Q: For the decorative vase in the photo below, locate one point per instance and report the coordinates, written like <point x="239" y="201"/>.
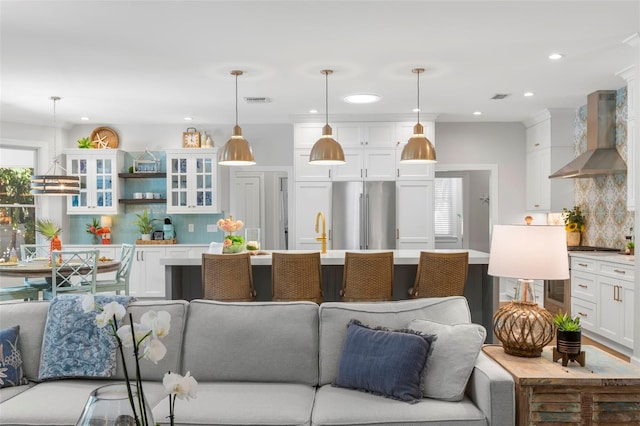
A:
<point x="95" y="239"/>
<point x="252" y="239"/>
<point x="237" y="244"/>
<point x="145" y="237"/>
<point x="568" y="342"/>
<point x="573" y="238"/>
<point x="109" y="405"/>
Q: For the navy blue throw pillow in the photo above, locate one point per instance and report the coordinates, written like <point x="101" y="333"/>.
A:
<point x="384" y="362"/>
<point x="10" y="359"/>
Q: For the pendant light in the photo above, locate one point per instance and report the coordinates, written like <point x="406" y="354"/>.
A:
<point x="237" y="151"/>
<point x="419" y="150"/>
<point x="326" y="151"/>
<point x="50" y="183"/>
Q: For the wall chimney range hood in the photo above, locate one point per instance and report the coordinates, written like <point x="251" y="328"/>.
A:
<point x="601" y="157"/>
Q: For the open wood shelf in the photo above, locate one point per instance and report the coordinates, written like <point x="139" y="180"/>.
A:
<point x="142" y="175"/>
<point x="142" y="200"/>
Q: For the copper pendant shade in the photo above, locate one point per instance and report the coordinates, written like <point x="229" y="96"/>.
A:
<point x="326" y="151"/>
<point x="419" y="150"/>
<point x="237" y="151"/>
<point x="51" y="183"/>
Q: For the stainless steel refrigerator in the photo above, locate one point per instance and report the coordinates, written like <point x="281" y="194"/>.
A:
<point x="363" y="215"/>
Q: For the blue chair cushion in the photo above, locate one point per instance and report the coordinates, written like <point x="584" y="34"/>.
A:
<point x="11" y="373"/>
<point x="384" y="362"/>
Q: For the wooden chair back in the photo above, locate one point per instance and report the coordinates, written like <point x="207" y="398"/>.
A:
<point x="296" y="276"/>
<point x="440" y="275"/>
<point x="227" y="277"/>
<point x="367" y="277"/>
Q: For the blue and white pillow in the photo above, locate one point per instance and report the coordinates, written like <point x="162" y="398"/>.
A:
<point x="11" y="373"/>
<point x="73" y="345"/>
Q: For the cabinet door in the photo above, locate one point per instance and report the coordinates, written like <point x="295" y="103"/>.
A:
<point x="192" y="182"/>
<point x="609" y="308"/>
<point x="311" y="198"/>
<point x="353" y="168"/>
<point x="147" y="275"/>
<point x="349" y="134"/>
<point x="404" y="131"/>
<point x="534" y="181"/>
<point x="627" y="318"/>
<point x="178" y="184"/>
<point x="414" y="215"/>
<point x="309" y="172"/>
<point x="379" y="163"/>
<point x="305" y="135"/>
<point x="98" y="174"/>
<point x="380" y="135"/>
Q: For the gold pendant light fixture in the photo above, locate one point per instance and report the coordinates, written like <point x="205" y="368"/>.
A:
<point x="51" y="183"/>
<point x="237" y="151"/>
<point x="326" y="151"/>
<point x="419" y="150"/>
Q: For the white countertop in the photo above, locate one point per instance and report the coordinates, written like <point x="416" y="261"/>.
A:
<point x="608" y="256"/>
<point x="336" y="257"/>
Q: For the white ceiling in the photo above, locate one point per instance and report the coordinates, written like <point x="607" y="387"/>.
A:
<point x="149" y="62"/>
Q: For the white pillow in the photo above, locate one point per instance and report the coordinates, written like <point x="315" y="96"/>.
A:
<point x="452" y="359"/>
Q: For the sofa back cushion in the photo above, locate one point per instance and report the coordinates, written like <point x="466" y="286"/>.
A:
<point x="335" y="316"/>
<point x="31" y="317"/>
<point x="173" y="341"/>
<point x="252" y="341"/>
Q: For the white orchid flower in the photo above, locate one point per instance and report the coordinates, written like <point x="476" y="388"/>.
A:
<point x="158" y="322"/>
<point x="125" y="336"/>
<point x="154" y="350"/>
<point x="183" y="387"/>
<point x="110" y="310"/>
<point x="88" y="303"/>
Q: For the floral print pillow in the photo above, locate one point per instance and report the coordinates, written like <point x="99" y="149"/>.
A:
<point x="11" y="373"/>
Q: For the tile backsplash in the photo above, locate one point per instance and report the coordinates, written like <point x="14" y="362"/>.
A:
<point x="604" y="198"/>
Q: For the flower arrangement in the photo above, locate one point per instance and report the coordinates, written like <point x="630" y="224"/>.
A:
<point x="144" y="338"/>
<point x="94" y="227"/>
<point x="574" y="220"/>
<point x="231" y="243"/>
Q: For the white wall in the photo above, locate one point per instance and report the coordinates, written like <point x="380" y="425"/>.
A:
<point x="489" y="143"/>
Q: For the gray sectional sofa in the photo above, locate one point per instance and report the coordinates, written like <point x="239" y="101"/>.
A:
<point x="261" y="363"/>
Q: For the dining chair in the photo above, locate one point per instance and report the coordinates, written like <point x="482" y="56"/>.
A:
<point x="30" y="253"/>
<point x="121" y="281"/>
<point x="72" y="271"/>
<point x="367" y="277"/>
<point x="296" y="276"/>
<point x="227" y="277"/>
<point x="440" y="275"/>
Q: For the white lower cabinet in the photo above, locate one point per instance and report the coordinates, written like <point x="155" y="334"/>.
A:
<point x="147" y="274"/>
<point x="311" y="198"/>
<point x="602" y="296"/>
<point x="414" y="215"/>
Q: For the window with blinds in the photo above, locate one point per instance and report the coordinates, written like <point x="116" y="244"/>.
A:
<point x="448" y="197"/>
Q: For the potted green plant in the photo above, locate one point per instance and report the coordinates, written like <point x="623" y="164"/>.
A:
<point x="144" y="224"/>
<point x="569" y="334"/>
<point x="575" y="225"/>
<point x="85" y="143"/>
<point x="631" y="248"/>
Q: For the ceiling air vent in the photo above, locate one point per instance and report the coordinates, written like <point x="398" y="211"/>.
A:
<point x="257" y="100"/>
<point x="499" y="96"/>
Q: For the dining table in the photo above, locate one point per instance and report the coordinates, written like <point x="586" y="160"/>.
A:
<point x="42" y="268"/>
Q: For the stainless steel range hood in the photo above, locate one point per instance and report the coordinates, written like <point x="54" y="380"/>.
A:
<point x="601" y="157"/>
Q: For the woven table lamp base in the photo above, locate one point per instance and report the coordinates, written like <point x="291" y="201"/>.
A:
<point x="524" y="328"/>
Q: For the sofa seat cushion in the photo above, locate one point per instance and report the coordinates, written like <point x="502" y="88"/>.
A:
<point x="242" y="403"/>
<point x="338" y="406"/>
<point x="10" y="392"/>
<point x="63" y="399"/>
<point x="334" y="317"/>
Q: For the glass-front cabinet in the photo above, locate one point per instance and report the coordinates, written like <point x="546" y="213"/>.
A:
<point x="192" y="181"/>
<point x="99" y="183"/>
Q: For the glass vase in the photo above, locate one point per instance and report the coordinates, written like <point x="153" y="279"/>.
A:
<point x="109" y="405"/>
<point x="252" y="239"/>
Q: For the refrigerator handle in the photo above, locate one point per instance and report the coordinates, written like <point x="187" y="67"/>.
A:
<point x="366" y="224"/>
<point x="362" y="228"/>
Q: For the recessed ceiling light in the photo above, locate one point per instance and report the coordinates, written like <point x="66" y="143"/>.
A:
<point x="477" y="113"/>
<point x="556" y="56"/>
<point x="528" y="94"/>
<point x="313" y="111"/>
<point x="188" y="119"/>
<point x="362" y="98"/>
<point x="416" y="110"/>
<point x="84" y="118"/>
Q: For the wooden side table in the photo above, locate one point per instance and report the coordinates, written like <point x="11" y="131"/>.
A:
<point x="605" y="391"/>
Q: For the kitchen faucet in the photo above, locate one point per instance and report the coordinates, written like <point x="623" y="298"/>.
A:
<point x="323" y="237"/>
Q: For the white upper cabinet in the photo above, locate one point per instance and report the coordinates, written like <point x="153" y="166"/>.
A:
<point x="306" y="134"/>
<point x="549" y="146"/>
<point x="309" y="172"/>
<point x="192" y="181"/>
<point x="100" y="186"/>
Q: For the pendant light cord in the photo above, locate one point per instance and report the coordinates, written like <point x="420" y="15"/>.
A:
<point x="418" y="91"/>
<point x="236" y="99"/>
<point x="326" y="98"/>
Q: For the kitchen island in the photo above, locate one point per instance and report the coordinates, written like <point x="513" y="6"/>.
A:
<point x="183" y="279"/>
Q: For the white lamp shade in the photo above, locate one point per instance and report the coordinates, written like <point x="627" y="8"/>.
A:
<point x="529" y="252"/>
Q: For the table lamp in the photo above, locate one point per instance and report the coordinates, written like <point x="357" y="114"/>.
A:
<point x="527" y="253"/>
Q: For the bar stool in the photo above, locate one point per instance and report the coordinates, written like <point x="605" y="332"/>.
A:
<point x="227" y="277"/>
<point x="367" y="277"/>
<point x="440" y="275"/>
<point x="296" y="276"/>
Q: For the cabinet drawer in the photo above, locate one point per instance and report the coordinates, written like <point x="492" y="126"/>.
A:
<point x="586" y="311"/>
<point x="616" y="270"/>
<point x="582" y="264"/>
<point x="583" y="286"/>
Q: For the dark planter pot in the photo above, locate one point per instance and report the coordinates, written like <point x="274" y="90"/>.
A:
<point x="568" y="342"/>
